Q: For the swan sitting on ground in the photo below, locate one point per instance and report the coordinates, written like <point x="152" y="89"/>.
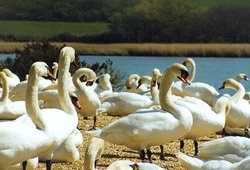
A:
<point x="231" y="148"/>
<point x="150" y="127"/>
<point x="12" y="78"/>
<point x="131" y="85"/>
<point x="8" y="109"/>
<point x="125" y="103"/>
<point x="191" y="163"/>
<point x="199" y="90"/>
<point x="88" y="98"/>
<point x="93" y="153"/>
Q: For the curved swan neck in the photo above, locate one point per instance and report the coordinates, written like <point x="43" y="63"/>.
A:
<point x="165" y="93"/>
<point x="240" y="92"/>
<point x="5" y="94"/>
<point x="193" y="70"/>
<point x="32" y="105"/>
<point x="63" y="87"/>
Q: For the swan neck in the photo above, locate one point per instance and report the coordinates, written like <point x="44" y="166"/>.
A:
<point x="192" y="71"/>
<point x="5" y="93"/>
<point x="55" y="71"/>
<point x="63" y="86"/>
<point x="240" y="92"/>
<point x="154" y="92"/>
<point x="32" y="105"/>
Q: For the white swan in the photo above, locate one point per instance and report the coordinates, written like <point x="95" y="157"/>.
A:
<point x="105" y="87"/>
<point x="12" y="78"/>
<point x="231" y="148"/>
<point x="205" y="120"/>
<point x="199" y="90"/>
<point x="16" y="142"/>
<point x="9" y="109"/>
<point x="149" y="127"/>
<point x="88" y="99"/>
<point x="240" y="77"/>
<point x="132" y="84"/>
<point x="191" y="163"/>
<point x="239" y="113"/>
<point x="125" y="103"/>
<point x="93" y="153"/>
<point x="129" y="165"/>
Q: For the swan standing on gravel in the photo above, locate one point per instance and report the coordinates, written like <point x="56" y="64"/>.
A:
<point x="199" y="90"/>
<point x="149" y="127"/>
<point x="88" y="98"/>
<point x="93" y="153"/>
<point x="8" y="109"/>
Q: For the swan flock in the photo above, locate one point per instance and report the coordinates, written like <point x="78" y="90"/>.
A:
<point x="45" y="119"/>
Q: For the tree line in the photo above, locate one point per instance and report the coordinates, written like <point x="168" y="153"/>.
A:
<point x="141" y="20"/>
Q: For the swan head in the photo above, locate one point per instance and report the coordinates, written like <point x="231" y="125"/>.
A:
<point x="55" y="65"/>
<point x="180" y="71"/>
<point x="41" y="69"/>
<point x="75" y="100"/>
<point x="88" y="75"/>
<point x="69" y="53"/>
<point x="230" y="83"/>
<point x="188" y="61"/>
<point x="7" y="72"/>
<point x="132" y="77"/>
<point x="144" y="80"/>
<point x="242" y="76"/>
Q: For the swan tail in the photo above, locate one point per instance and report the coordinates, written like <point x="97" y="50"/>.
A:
<point x="189" y="162"/>
<point x="96" y="133"/>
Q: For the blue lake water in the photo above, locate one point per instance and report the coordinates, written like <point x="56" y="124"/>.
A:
<point x="210" y="70"/>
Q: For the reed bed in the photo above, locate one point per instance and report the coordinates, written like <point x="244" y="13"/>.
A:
<point x="147" y="49"/>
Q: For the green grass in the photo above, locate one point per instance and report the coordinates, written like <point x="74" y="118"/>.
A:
<point x="211" y="3"/>
<point x="49" y="29"/>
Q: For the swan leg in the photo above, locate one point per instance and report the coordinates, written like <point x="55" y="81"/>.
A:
<point x="48" y="164"/>
<point x="142" y="155"/>
<point x="246" y="131"/>
<point x="24" y="165"/>
<point x="195" y="147"/>
<point x="93" y="128"/>
<point x="182" y="146"/>
<point x="149" y="154"/>
<point x="162" y="156"/>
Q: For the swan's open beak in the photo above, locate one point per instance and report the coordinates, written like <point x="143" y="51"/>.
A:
<point x="184" y="77"/>
<point x="89" y="83"/>
<point x="50" y="75"/>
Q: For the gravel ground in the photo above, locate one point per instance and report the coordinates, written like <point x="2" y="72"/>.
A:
<point x="114" y="152"/>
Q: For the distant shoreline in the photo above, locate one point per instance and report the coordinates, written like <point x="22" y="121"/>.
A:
<point x="146" y="49"/>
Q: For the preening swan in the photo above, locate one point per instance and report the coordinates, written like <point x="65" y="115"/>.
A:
<point x="20" y="142"/>
<point x="104" y="87"/>
<point x="88" y="98"/>
<point x="8" y="109"/>
<point x="125" y="103"/>
<point x="12" y="78"/>
<point x="231" y="148"/>
<point x="93" y="153"/>
<point x="149" y="127"/>
<point x="199" y="90"/>
<point x="131" y="85"/>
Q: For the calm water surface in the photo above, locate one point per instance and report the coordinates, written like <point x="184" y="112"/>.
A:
<point x="210" y="70"/>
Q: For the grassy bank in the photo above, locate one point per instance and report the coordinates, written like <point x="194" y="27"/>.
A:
<point x="35" y="29"/>
<point x="148" y="49"/>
